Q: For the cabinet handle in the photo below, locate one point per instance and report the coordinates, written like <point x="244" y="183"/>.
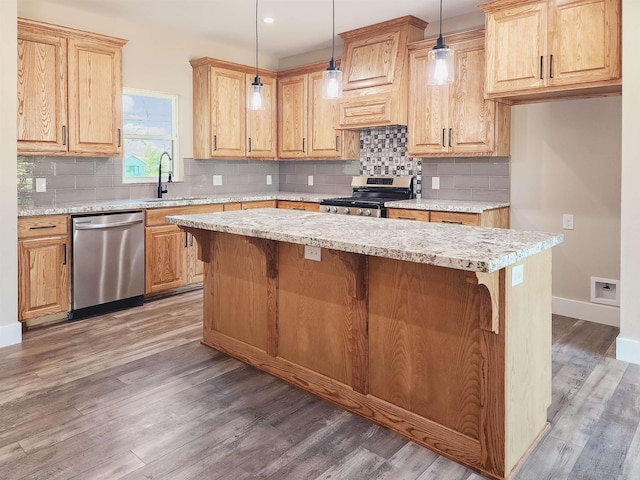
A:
<point x="215" y="143"/>
<point x="186" y="241"/>
<point x="64" y="134"/>
<point x="40" y="227"/>
<point x="249" y="144"/>
<point x="64" y="253"/>
<point x="303" y="149"/>
<point x="406" y="218"/>
<point x="453" y="222"/>
<point x="551" y="66"/>
<point x="297" y="208"/>
<point x="119" y="138"/>
<point x="450" y="131"/>
<point x="443" y="144"/>
<point x="191" y="243"/>
<point x="337" y="144"/>
<point x="541" y="59"/>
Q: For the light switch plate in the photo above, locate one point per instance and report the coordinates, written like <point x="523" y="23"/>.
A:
<point x="517" y="275"/>
<point x="217" y="180"/>
<point x="41" y="185"/>
<point x="435" y="183"/>
<point x="313" y="253"/>
<point x="567" y="221"/>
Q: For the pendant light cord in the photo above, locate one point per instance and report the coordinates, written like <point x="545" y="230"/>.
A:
<point x="440" y="17"/>
<point x="333" y="28"/>
<point x="257" y="72"/>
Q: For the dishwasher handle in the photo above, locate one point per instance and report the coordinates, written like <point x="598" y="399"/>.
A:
<point x="96" y="226"/>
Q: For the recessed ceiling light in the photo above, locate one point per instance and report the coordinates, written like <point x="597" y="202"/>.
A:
<point x="268" y="20"/>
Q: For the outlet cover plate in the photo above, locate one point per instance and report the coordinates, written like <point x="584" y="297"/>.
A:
<point x="310" y="180"/>
<point x="517" y="275"/>
<point x="313" y="253"/>
<point x="269" y="179"/>
<point x="435" y="183"/>
<point x="217" y="180"/>
<point x="567" y="221"/>
<point x="41" y="185"/>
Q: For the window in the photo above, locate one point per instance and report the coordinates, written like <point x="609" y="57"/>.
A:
<point x="150" y="128"/>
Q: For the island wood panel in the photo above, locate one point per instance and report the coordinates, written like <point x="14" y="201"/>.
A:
<point x="424" y="341"/>
<point x="497" y="218"/>
<point x="315" y="312"/>
<point x="240" y="290"/>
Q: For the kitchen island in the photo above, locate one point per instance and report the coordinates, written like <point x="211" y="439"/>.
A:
<point x="441" y="333"/>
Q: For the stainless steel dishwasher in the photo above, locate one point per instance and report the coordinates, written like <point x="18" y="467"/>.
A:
<point x="108" y="263"/>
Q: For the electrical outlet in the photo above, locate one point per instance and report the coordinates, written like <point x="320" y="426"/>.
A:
<point x="313" y="253"/>
<point x="567" y="221"/>
<point x="435" y="183"/>
<point x="269" y="179"/>
<point x="41" y="185"/>
<point x="517" y="275"/>
<point x="217" y="180"/>
<point x="310" y="180"/>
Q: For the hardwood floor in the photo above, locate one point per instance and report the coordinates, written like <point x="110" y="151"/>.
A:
<point x="134" y="395"/>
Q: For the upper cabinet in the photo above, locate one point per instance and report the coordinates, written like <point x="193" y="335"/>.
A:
<point x="455" y="120"/>
<point x="307" y="123"/>
<point x="375" y="68"/>
<point x="69" y="91"/>
<point x="539" y="49"/>
<point x="223" y="127"/>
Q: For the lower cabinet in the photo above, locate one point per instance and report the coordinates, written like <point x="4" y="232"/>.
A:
<point x="304" y="206"/>
<point x="43" y="266"/>
<point x="497" y="217"/>
<point x="228" y="207"/>
<point x="408" y="214"/>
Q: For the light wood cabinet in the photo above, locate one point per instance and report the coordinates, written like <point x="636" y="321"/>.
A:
<point x="69" y="91"/>
<point x="171" y="255"/>
<point x="43" y="266"/>
<point x="307" y="123"/>
<point x="223" y="127"/>
<point x="303" y="206"/>
<point x="540" y="49"/>
<point x="497" y="217"/>
<point x="375" y="67"/>
<point x="454" y="120"/>
<point x="228" y="207"/>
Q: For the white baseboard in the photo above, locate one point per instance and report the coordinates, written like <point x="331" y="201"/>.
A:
<point x="591" y="312"/>
<point x="628" y="350"/>
<point x="10" y="334"/>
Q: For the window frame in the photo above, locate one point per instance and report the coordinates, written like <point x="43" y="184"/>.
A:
<point x="177" y="162"/>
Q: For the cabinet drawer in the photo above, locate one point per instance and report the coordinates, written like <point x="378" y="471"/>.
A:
<point x="367" y="111"/>
<point x="306" y="206"/>
<point x="156" y="216"/>
<point x="259" y="204"/>
<point x="30" y="227"/>
<point x="408" y="214"/>
<point x="455" y="217"/>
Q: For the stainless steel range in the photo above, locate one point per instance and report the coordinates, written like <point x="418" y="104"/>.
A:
<point x="369" y="196"/>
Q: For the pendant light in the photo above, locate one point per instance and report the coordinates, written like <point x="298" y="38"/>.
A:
<point x="255" y="92"/>
<point x="332" y="76"/>
<point x="440" y="61"/>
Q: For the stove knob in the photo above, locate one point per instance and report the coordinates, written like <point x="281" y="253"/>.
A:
<point x="367" y="212"/>
<point x="327" y="209"/>
<point x="359" y="212"/>
<point x="346" y="211"/>
<point x="334" y="209"/>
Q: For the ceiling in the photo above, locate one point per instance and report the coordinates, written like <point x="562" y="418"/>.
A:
<point x="300" y="25"/>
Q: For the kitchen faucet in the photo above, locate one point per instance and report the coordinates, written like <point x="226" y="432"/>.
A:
<point x="160" y="189"/>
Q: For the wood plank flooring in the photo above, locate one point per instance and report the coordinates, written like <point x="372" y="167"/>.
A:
<point x="134" y="395"/>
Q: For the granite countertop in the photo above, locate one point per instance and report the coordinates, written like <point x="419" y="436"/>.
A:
<point x="459" y="206"/>
<point x="115" y="205"/>
<point x="476" y="249"/>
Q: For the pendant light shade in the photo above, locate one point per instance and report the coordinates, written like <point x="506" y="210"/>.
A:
<point x="440" y="61"/>
<point x="255" y="92"/>
<point x="332" y="76"/>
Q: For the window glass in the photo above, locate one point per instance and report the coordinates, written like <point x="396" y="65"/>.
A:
<point x="149" y="129"/>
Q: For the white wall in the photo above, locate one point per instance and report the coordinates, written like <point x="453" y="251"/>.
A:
<point x="10" y="329"/>
<point x="565" y="158"/>
<point x="153" y="59"/>
<point x="628" y="344"/>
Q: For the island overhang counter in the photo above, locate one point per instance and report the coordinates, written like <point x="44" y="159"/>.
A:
<point x="441" y="333"/>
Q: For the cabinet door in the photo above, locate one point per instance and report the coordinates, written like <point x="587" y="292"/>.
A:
<point x="324" y="115"/>
<point x="584" y="41"/>
<point x="428" y="131"/>
<point x="292" y="117"/>
<point x="516" y="43"/>
<point x="95" y="98"/>
<point x="471" y="116"/>
<point x="165" y="258"/>
<point x="195" y="266"/>
<point x="228" y="107"/>
<point x="42" y="93"/>
<point x="43" y="277"/>
<point x="261" y="124"/>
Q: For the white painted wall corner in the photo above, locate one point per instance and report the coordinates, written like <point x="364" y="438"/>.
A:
<point x="10" y="334"/>
<point x="628" y="350"/>
<point x="591" y="312"/>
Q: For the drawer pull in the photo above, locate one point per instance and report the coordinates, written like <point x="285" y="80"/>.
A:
<point x="297" y="208"/>
<point x="186" y="240"/>
<point x="64" y="252"/>
<point x="453" y="222"/>
<point x="337" y="144"/>
<point x="64" y="134"/>
<point x="406" y="218"/>
<point x="41" y="227"/>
